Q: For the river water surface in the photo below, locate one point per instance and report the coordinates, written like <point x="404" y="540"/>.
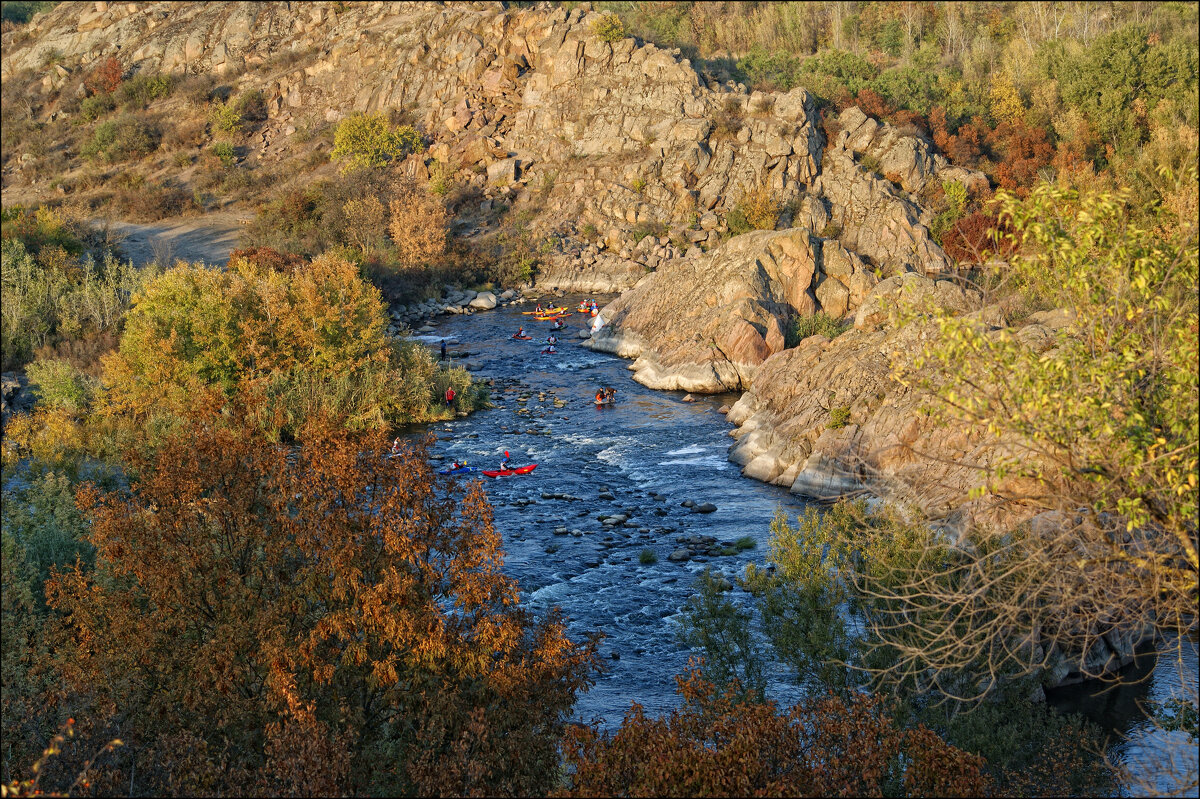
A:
<point x="644" y="457"/>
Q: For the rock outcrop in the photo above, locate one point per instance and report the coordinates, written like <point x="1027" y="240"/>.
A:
<point x="707" y="324"/>
<point x="827" y="420"/>
<point x="529" y="107"/>
<point x="908" y="157"/>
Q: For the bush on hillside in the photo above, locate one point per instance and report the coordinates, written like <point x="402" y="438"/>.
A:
<point x="126" y="139"/>
<point x="369" y="140"/>
<point x="609" y="28"/>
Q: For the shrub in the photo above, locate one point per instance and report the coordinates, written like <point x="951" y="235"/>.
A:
<point x="48" y="301"/>
<point x="199" y="89"/>
<point x="638" y="185"/>
<point x="818" y="324"/>
<point x="369" y="140"/>
<point x="123" y="139"/>
<point x="153" y="201"/>
<point x="106" y="78"/>
<point x="759" y="208"/>
<point x="722" y="738"/>
<point x="647" y="557"/>
<point x="838" y="417"/>
<point x="736" y="221"/>
<point x="644" y="229"/>
<point x="744" y="543"/>
<point x="185" y="134"/>
<point x="58" y="384"/>
<point x="419" y="227"/>
<point x="729" y="120"/>
<point x="870" y="163"/>
<point x="96" y="106"/>
<point x="251" y="105"/>
<point x="609" y="28"/>
<point x="313" y="339"/>
<point x="223" y="152"/>
<point x="142" y="90"/>
<point x="440" y="181"/>
<point x="225" y="118"/>
<point x="45" y="524"/>
<point x="326" y="514"/>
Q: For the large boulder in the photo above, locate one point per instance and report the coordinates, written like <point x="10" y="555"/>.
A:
<point x="484" y="301"/>
<point x="706" y="324"/>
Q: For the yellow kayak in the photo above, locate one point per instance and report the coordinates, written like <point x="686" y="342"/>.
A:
<point x="546" y="312"/>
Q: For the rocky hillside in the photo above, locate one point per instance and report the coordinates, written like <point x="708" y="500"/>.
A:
<point x="617" y="139"/>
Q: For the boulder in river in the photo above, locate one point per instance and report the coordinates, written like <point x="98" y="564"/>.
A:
<point x="485" y="301"/>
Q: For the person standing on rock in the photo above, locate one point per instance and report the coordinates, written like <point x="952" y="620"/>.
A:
<point x="443" y="349"/>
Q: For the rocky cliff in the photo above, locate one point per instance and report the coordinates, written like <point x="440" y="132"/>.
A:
<point x="827" y="420"/>
<point x="528" y="105"/>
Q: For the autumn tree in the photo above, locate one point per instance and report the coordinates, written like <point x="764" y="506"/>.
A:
<point x="419" y="226"/>
<point x="313" y="336"/>
<point x="322" y="620"/>
<point x="720" y="743"/>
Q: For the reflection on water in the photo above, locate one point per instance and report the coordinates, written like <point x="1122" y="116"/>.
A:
<point x="644" y="457"/>
<point x="1156" y="760"/>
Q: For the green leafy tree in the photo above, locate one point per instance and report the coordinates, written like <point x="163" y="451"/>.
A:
<point x="714" y="625"/>
<point x="369" y="140"/>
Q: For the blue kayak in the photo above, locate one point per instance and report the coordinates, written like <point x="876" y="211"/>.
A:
<point x="460" y="470"/>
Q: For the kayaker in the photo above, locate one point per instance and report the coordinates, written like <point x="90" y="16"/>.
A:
<point x="450" y="394"/>
<point x="538" y="309"/>
<point x="552" y="340"/>
<point x="611" y="394"/>
<point x="557" y="325"/>
<point x="599" y="396"/>
<point x="550" y="350"/>
<point x="520" y="332"/>
<point x="504" y="463"/>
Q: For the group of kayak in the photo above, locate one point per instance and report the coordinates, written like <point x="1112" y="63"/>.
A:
<point x="554" y="315"/>
<point x="551" y="340"/>
<point x="461" y="467"/>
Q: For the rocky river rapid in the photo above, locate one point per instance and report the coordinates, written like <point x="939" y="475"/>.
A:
<point x="612" y="482"/>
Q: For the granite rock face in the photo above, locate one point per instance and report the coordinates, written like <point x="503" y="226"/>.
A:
<point x="707" y="324"/>
<point x="526" y="105"/>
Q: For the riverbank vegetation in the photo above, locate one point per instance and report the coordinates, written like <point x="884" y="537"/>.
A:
<point x="1074" y="546"/>
<point x="207" y="557"/>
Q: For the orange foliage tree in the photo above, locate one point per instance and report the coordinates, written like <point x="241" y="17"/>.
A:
<point x="1021" y="151"/>
<point x="722" y="744"/>
<point x="106" y="77"/>
<point x="262" y="619"/>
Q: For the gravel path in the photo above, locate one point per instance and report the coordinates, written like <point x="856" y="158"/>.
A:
<point x="208" y="238"/>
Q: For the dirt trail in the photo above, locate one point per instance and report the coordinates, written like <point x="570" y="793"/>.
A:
<point x="208" y="238"/>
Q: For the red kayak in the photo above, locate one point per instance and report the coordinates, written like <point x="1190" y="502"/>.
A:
<point x="523" y="338"/>
<point x="510" y="472"/>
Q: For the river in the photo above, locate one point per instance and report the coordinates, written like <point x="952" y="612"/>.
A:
<point x="645" y="457"/>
